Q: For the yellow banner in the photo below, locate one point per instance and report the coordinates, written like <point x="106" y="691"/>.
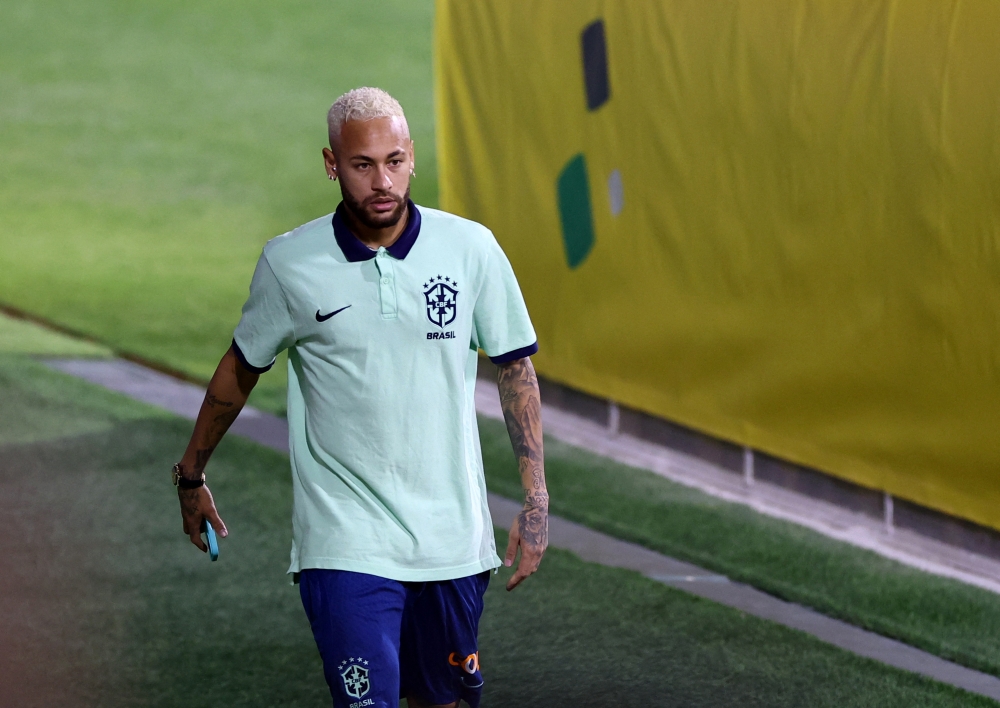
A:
<point x="775" y="222"/>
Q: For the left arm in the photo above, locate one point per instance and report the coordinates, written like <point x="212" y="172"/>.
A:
<point x="522" y="411"/>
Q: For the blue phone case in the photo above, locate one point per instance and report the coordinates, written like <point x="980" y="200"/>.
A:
<point x="213" y="542"/>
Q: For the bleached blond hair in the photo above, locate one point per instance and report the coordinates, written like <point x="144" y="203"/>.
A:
<point x="363" y="103"/>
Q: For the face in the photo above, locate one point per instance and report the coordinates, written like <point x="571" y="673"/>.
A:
<point x="372" y="159"/>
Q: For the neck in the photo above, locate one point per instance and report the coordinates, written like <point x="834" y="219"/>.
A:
<point x="374" y="238"/>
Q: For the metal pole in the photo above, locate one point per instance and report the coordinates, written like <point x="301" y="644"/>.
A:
<point x="748" y="466"/>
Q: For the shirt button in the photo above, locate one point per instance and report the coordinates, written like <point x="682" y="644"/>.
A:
<point x="385" y="281"/>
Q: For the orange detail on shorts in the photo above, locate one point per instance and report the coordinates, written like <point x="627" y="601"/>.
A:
<point x="469" y="664"/>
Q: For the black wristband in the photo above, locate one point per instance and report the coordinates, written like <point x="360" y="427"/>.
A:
<point x="185" y="483"/>
<point x="182" y="482"/>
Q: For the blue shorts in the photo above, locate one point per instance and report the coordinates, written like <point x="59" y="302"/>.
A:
<point x="382" y="640"/>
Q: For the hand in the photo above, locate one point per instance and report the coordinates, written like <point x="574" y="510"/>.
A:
<point x="197" y="504"/>
<point x="530" y="532"/>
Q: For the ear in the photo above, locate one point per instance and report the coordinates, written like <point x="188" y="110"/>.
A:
<point x="330" y="162"/>
<point x="413" y="161"/>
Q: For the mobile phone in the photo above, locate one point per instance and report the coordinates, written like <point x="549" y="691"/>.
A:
<point x="211" y="541"/>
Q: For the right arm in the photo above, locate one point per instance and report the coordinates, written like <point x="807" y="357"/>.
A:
<point x="227" y="394"/>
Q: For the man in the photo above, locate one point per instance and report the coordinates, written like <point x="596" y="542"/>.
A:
<point x="382" y="307"/>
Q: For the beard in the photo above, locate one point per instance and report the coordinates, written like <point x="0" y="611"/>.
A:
<point x="359" y="209"/>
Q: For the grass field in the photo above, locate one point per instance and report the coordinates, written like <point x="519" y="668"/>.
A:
<point x="148" y="150"/>
<point x="942" y="616"/>
<point x="107" y="604"/>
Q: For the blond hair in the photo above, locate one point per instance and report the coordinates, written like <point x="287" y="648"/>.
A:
<point x="363" y="103"/>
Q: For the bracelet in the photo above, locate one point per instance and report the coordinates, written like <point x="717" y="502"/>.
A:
<point x="182" y="482"/>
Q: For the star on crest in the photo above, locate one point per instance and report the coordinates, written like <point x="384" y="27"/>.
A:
<point x="438" y="279"/>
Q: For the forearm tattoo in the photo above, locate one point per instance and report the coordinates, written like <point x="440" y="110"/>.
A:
<point x="220" y="415"/>
<point x="522" y="411"/>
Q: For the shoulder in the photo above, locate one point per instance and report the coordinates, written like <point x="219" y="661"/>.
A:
<point x="299" y="242"/>
<point x="441" y="224"/>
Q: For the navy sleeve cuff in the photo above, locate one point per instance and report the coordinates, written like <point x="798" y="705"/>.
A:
<point x="246" y="364"/>
<point x="515" y="355"/>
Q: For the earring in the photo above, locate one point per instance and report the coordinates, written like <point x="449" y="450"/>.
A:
<point x="412" y="173"/>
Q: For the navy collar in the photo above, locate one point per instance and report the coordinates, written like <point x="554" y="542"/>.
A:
<point x="354" y="250"/>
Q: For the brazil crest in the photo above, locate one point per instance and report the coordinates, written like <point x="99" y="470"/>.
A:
<point x="441" y="297"/>
<point x="355" y="677"/>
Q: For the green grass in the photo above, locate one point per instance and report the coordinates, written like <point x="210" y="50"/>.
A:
<point x="127" y="613"/>
<point x="22" y="337"/>
<point x="942" y="616"/>
<point x="148" y="150"/>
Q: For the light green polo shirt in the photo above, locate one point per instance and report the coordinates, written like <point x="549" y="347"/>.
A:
<point x="382" y="348"/>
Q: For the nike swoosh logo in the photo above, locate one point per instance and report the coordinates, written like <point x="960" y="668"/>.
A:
<point x="324" y="318"/>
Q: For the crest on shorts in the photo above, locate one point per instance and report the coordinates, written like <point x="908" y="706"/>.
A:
<point x="441" y="296"/>
<point x="355" y="677"/>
